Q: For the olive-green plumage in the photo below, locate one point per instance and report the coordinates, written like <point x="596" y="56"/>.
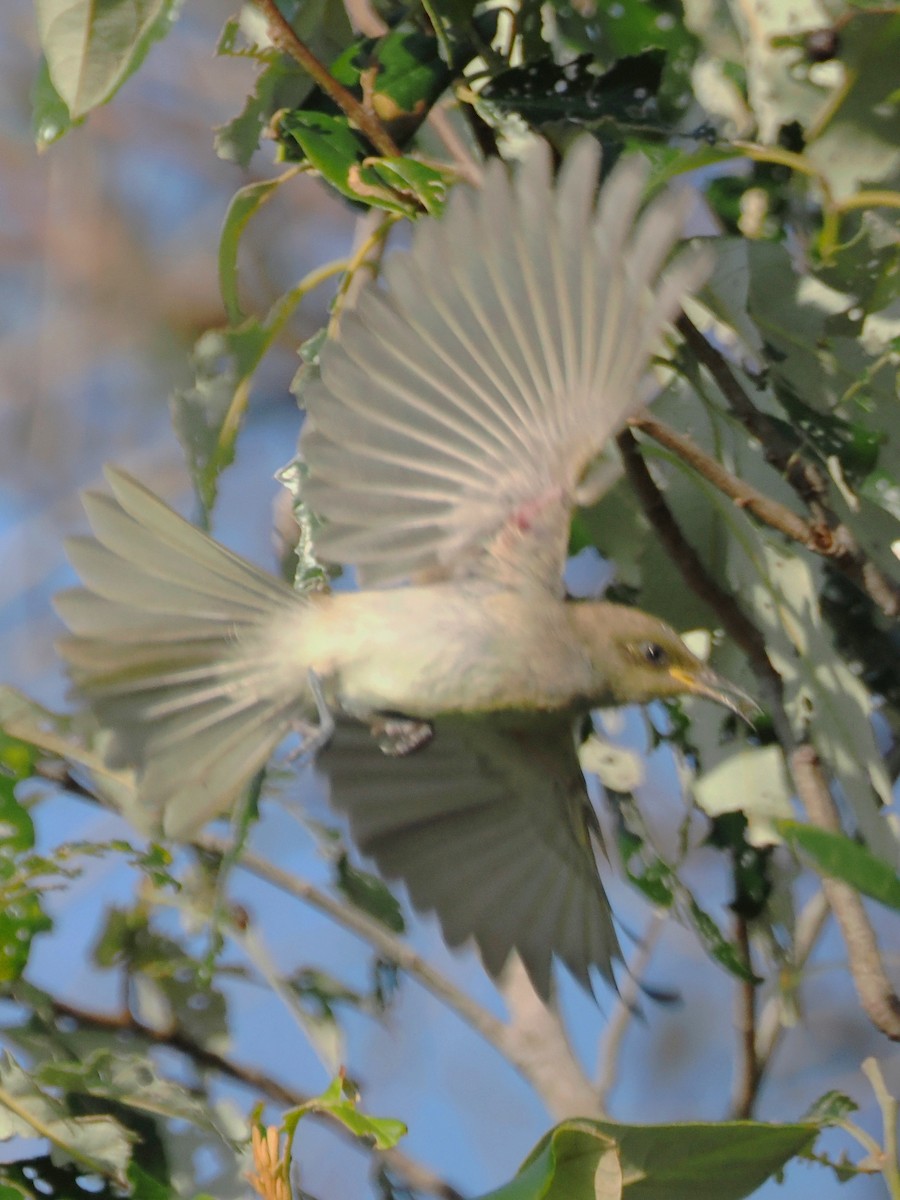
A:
<point x="457" y="423"/>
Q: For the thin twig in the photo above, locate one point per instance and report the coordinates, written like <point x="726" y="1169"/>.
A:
<point x="749" y="1076"/>
<point x="504" y="1038"/>
<point x="465" y="164"/>
<point x="763" y="507"/>
<point x="371" y="931"/>
<point x="807" y="929"/>
<point x="626" y="1009"/>
<point x="873" y="987"/>
<point x="830" y="537"/>
<point x="176" y="1039"/>
<point x="890" y="1161"/>
<point x="734" y="622"/>
<point x="365" y="120"/>
<point x="415" y="1174"/>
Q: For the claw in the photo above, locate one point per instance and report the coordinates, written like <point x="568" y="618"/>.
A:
<point x="399" y="736"/>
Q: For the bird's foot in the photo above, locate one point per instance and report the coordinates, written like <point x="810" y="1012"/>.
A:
<point x="399" y="736"/>
<point x="314" y="737"/>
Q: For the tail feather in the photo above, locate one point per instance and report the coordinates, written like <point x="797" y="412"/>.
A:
<point x="171" y="641"/>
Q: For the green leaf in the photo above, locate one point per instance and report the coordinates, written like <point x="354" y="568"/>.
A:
<point x="129" y="1079"/>
<point x="428" y="185"/>
<point x="208" y="415"/>
<point x="50" y="118"/>
<point x="838" y="857"/>
<point x="244" y="203"/>
<point x="99" y="1144"/>
<point x="339" y="1100"/>
<point x="855" y="126"/>
<point x="21" y="916"/>
<point x="367" y="892"/>
<point x="717" y="944"/>
<point x="145" y="1187"/>
<point x="728" y="1160"/>
<point x="398" y="185"/>
<point x="91" y="47"/>
<point x="831" y="1109"/>
<point x="623" y="96"/>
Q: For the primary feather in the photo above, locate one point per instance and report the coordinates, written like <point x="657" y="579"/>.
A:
<point x="481" y="383"/>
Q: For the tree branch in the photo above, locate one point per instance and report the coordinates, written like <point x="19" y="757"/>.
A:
<point x="829" y="537"/>
<point x="873" y="987"/>
<point x="688" y="561"/>
<point x="626" y="1009"/>
<point x="749" y="1077"/>
<point x="807" y="928"/>
<point x="505" y="1038"/>
<point x="363" y="118"/>
<point x="763" y="507"/>
<point x="414" y="1174"/>
<point x="875" y="992"/>
<point x="537" y="1035"/>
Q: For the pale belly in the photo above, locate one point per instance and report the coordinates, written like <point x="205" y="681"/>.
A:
<point x="425" y="651"/>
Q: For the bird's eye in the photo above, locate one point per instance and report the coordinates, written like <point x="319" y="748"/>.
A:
<point x="654" y="654"/>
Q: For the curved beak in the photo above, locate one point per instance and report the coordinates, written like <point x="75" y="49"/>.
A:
<point x="705" y="682"/>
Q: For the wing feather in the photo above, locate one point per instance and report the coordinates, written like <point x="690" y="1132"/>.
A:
<point x="487" y="827"/>
<point x="489" y="371"/>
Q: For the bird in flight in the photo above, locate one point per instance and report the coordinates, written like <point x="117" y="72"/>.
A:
<point x="456" y="424"/>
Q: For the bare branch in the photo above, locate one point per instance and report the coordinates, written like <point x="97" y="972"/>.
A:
<point x="763" y="507"/>
<point x="749" y="1076"/>
<point x="875" y="991"/>
<point x="537" y="1035"/>
<point x="514" y="1044"/>
<point x="371" y="932"/>
<point x="363" y="118"/>
<point x="685" y="557"/>
<point x="626" y="1009"/>
<point x="414" y="1174"/>
<point x="829" y="537"/>
<point x="807" y="928"/>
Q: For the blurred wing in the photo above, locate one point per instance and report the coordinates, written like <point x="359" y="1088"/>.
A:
<point x="489" y="826"/>
<point x="171" y="643"/>
<point x="465" y="401"/>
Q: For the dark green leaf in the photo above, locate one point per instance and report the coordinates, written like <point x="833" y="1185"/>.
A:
<point x="367" y="892"/>
<point x="729" y="1160"/>
<point x="840" y="858"/>
<point x="831" y="1109"/>
<point x="718" y="945"/>
<point x="544" y="91"/>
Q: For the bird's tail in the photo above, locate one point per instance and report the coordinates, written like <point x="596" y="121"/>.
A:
<point x="171" y="642"/>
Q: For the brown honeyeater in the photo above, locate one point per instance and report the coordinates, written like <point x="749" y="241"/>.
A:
<point x="454" y="428"/>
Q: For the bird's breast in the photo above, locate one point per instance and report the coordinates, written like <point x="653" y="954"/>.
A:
<point x="424" y="651"/>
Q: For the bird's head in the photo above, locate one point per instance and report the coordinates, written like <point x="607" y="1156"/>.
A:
<point x="639" y="658"/>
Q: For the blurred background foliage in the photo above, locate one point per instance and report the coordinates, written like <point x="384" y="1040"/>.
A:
<point x="164" y="255"/>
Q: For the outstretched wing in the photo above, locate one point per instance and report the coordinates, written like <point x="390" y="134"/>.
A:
<point x="489" y="826"/>
<point x="466" y="400"/>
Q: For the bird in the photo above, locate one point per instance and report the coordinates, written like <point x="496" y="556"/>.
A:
<point x="460" y="417"/>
